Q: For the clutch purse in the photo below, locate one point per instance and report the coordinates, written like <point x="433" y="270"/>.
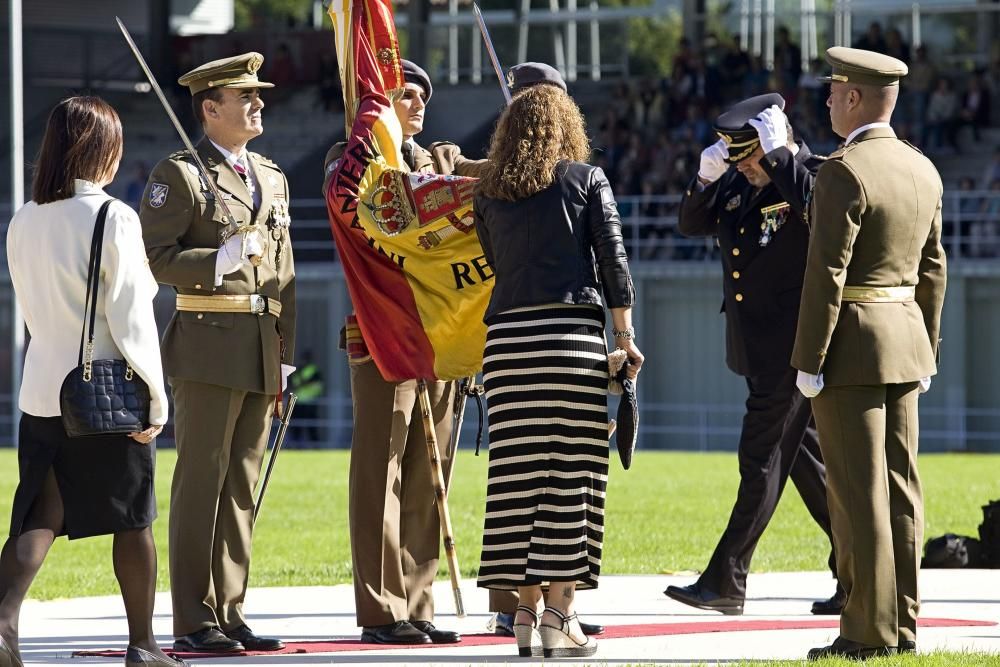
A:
<point x="627" y="420"/>
<point x="102" y="396"/>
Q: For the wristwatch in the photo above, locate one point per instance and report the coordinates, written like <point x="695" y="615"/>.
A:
<point x="626" y="334"/>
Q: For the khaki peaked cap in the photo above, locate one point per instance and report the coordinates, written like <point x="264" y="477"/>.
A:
<point x="235" y="72"/>
<point x="863" y="67"/>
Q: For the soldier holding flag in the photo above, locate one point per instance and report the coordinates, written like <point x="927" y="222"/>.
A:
<point x="394" y="526"/>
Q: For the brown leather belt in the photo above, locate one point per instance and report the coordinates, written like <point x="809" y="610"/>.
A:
<point x="254" y="304"/>
<point x="901" y="294"/>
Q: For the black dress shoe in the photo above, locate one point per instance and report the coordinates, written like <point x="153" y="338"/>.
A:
<point x="591" y="629"/>
<point x="845" y="648"/>
<point x="252" y="642"/>
<point x="207" y="640"/>
<point x="437" y="636"/>
<point x="503" y="624"/>
<point x="695" y="596"/>
<point x="907" y="646"/>
<point x="832" y="606"/>
<point x="400" y="632"/>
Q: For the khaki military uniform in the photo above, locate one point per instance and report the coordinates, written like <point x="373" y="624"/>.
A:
<point x="869" y="321"/>
<point x="394" y="524"/>
<point x="224" y="369"/>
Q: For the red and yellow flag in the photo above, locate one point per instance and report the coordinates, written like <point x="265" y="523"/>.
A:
<point x="417" y="276"/>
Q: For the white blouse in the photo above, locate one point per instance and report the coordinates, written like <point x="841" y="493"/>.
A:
<point x="48" y="252"/>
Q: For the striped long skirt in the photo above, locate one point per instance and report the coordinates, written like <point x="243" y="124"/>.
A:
<point x="546" y="376"/>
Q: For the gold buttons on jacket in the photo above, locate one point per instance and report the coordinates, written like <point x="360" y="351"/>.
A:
<point x="736" y="275"/>
<point x="197" y="286"/>
<point x="739" y="297"/>
<point x="201" y="316"/>
<point x="736" y="252"/>
<point x="741" y="230"/>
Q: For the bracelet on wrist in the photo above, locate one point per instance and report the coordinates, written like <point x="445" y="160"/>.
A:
<point x="624" y="334"/>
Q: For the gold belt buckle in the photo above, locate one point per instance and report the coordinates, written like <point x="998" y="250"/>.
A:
<point x="258" y="304"/>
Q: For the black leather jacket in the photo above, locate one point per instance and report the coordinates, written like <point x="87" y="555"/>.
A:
<point x="561" y="245"/>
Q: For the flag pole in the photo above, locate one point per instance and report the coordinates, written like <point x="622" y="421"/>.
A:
<point x="441" y="495"/>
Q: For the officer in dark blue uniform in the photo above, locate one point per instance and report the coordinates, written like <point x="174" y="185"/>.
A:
<point x="751" y="194"/>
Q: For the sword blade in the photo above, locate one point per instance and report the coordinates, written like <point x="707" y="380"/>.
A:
<point x="206" y="177"/>
<point x="492" y="53"/>
<point x="278" y="440"/>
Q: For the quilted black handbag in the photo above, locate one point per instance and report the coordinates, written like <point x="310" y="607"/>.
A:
<point x="102" y="396"/>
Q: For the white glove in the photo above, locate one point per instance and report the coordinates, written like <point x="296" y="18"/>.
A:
<point x="925" y="384"/>
<point x="772" y="128"/>
<point x="810" y="385"/>
<point x="286" y="370"/>
<point x="229" y="259"/>
<point x="713" y="162"/>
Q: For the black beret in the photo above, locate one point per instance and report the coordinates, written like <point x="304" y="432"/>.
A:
<point x="735" y="129"/>
<point x="413" y="73"/>
<point x="531" y="74"/>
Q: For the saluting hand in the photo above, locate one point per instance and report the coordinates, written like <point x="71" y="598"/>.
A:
<point x="146" y="437"/>
<point x="772" y="128"/>
<point x="713" y="162"/>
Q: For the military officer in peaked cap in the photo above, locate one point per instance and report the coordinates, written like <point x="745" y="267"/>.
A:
<point x="228" y="349"/>
<point x="867" y="345"/>
<point x="750" y="193"/>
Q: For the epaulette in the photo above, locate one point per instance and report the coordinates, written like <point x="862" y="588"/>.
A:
<point x="441" y="143"/>
<point x="912" y="146"/>
<point x="842" y="151"/>
<point x="180" y="155"/>
<point x="260" y="158"/>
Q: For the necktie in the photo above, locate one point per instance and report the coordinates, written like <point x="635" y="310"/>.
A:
<point x="242" y="171"/>
<point x="245" y="175"/>
<point x="407" y="151"/>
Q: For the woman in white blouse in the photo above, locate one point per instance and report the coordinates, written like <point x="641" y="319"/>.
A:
<point x="82" y="487"/>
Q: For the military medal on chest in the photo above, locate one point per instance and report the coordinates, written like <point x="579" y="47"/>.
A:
<point x="279" y="222"/>
<point x="773" y="217"/>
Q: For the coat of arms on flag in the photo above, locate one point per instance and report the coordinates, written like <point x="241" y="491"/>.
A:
<point x="407" y="242"/>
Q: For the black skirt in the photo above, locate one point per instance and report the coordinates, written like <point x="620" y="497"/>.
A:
<point x="106" y="482"/>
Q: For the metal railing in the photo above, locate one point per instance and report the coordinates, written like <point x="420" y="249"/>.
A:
<point x="971" y="221"/>
<point x="649" y="227"/>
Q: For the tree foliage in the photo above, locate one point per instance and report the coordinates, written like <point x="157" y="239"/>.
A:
<point x="253" y="13"/>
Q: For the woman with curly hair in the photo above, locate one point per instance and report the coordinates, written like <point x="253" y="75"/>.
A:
<point x="550" y="229"/>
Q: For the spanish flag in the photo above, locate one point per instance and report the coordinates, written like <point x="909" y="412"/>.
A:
<point x="417" y="276"/>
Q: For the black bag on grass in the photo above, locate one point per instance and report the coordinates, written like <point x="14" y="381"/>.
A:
<point x="989" y="534"/>
<point x="951" y="551"/>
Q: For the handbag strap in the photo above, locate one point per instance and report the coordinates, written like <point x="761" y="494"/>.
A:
<point x="93" y="279"/>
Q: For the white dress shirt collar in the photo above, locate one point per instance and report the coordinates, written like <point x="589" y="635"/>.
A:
<point x="83" y="187"/>
<point x="864" y="128"/>
<point x="231" y="158"/>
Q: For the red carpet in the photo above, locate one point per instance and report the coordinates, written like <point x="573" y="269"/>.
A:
<point x="613" y="632"/>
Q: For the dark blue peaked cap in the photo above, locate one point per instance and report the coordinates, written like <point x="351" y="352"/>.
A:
<point x="735" y="129"/>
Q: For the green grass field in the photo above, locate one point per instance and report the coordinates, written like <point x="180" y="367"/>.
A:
<point x="663" y="515"/>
